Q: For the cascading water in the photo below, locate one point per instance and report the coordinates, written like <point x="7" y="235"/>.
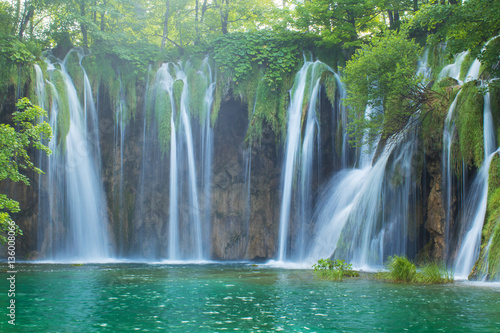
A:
<point x="368" y="213"/>
<point x="448" y="132"/>
<point x="472" y="214"/>
<point x="472" y="218"/>
<point x="119" y="146"/>
<point x="302" y="135"/>
<point x="189" y="178"/>
<point x="453" y="70"/>
<point x="74" y="223"/>
<point x="365" y="214"/>
<point x="472" y="221"/>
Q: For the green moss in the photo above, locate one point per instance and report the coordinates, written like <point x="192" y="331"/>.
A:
<point x="330" y="83"/>
<point x="494" y="89"/>
<point x="469" y="124"/>
<point x="163" y="115"/>
<point x="217" y="101"/>
<point x="177" y="92"/>
<point x="63" y="115"/>
<point x="130" y="89"/>
<point x="436" y="59"/>
<point x="435" y="111"/>
<point x="197" y="88"/>
<point x="464" y="68"/>
<point x="76" y="73"/>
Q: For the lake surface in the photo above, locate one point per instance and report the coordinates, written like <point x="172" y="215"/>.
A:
<point x="236" y="297"/>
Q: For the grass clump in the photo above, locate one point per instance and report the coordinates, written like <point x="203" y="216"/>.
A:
<point x="401" y="269"/>
<point x="336" y="270"/>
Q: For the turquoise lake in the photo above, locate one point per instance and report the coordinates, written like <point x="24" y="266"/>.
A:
<point x="236" y="297"/>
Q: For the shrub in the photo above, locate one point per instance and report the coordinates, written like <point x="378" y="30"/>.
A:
<point x="401" y="269"/>
<point x="335" y="271"/>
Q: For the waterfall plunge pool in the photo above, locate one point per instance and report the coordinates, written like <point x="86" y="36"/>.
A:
<point x="242" y="297"/>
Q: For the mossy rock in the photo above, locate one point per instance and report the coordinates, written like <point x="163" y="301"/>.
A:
<point x="469" y="124"/>
<point x="163" y="115"/>
<point x="447" y="82"/>
<point x="464" y="68"/>
<point x="63" y="115"/>
<point x="178" y="87"/>
<point x="330" y="84"/>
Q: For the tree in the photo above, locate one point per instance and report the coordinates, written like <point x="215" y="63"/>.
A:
<point x="463" y="26"/>
<point x="382" y="75"/>
<point x="337" y="22"/>
<point x="14" y="158"/>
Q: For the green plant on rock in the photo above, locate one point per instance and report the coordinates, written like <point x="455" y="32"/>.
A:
<point x="401" y="269"/>
<point x="334" y="270"/>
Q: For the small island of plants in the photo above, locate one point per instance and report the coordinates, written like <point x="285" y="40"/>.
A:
<point x="334" y="270"/>
<point x="400" y="269"/>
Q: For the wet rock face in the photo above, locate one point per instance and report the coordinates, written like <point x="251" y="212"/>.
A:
<point x="436" y="215"/>
<point x="238" y="231"/>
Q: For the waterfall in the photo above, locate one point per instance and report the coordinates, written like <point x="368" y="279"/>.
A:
<point x="74" y="223"/>
<point x="453" y="70"/>
<point x="472" y="221"/>
<point x="364" y="215"/>
<point x="298" y="163"/>
<point x="488" y="127"/>
<point x="119" y="151"/>
<point x="472" y="218"/>
<point x="190" y="156"/>
<point x="368" y="213"/>
<point x="448" y="132"/>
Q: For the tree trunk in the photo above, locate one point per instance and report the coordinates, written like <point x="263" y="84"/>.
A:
<point x="83" y="26"/>
<point x="415" y="5"/>
<point x="224" y="16"/>
<point x="26" y="20"/>
<point x="203" y="10"/>
<point x="397" y="22"/>
<point x="391" y="19"/>
<point x="165" y="25"/>
<point x="196" y="20"/>
<point x="103" y="16"/>
<point x="17" y="16"/>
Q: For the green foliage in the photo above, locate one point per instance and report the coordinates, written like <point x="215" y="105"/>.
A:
<point x="336" y="21"/>
<point x="382" y="75"/>
<point x="400" y="269"/>
<point x="465" y="26"/>
<point x="469" y="124"/>
<point x="433" y="273"/>
<point x="336" y="270"/>
<point x="278" y="53"/>
<point x="435" y="111"/>
<point x="14" y="158"/>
